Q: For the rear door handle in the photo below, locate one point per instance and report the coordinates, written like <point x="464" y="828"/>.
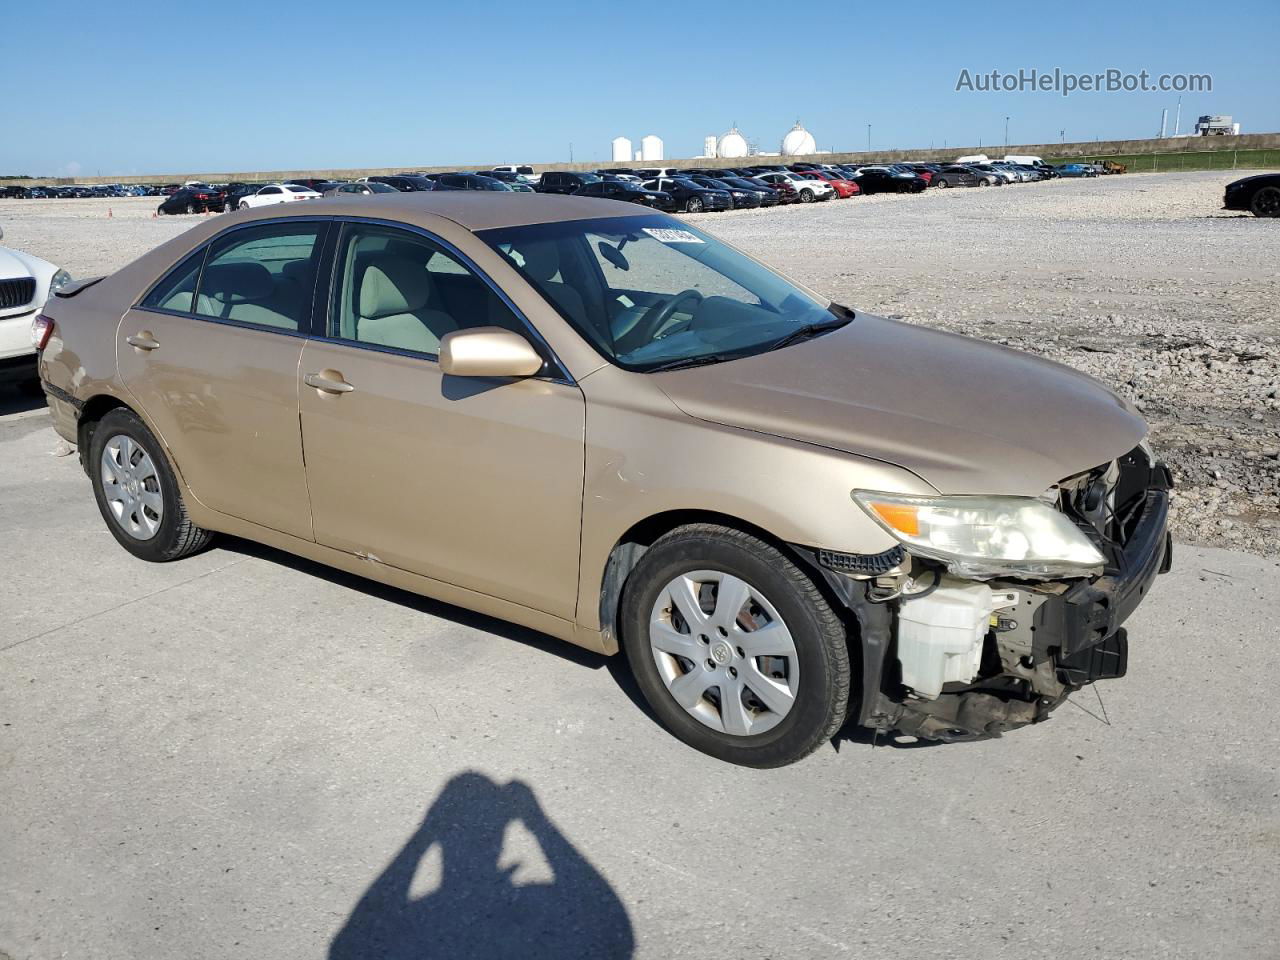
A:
<point x="329" y="384"/>
<point x="143" y="340"/>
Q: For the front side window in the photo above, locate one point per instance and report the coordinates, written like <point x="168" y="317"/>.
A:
<point x="403" y="291"/>
<point x="263" y="276"/>
<point x="650" y="291"/>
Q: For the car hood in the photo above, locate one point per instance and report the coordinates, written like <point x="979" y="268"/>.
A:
<point x="15" y="263"/>
<point x="966" y="416"/>
<point x="1261" y="177"/>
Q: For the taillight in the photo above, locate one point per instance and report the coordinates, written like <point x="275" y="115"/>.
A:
<point x="41" y="331"/>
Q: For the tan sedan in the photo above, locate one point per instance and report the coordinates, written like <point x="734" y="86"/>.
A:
<point x="603" y="423"/>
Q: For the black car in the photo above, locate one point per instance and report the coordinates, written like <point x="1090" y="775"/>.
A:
<point x="744" y="198"/>
<point x="878" y="180"/>
<point x="958" y="175"/>
<point x="1259" y="195"/>
<point x="15" y="193"/>
<point x="406" y="183"/>
<point x="565" y="182"/>
<point x="192" y="200"/>
<point x="233" y="193"/>
<point x="769" y="197"/>
<point x="628" y="191"/>
<point x="469" y="181"/>
<point x="691" y="197"/>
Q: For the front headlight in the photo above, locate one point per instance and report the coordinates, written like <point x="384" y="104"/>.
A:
<point x="59" y="280"/>
<point x="986" y="536"/>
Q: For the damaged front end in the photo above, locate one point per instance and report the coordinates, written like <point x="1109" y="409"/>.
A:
<point x="955" y="648"/>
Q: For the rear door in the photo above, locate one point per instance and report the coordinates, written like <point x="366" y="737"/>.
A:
<point x="211" y="355"/>
<point x="474" y="482"/>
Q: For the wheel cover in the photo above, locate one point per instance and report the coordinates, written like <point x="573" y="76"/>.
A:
<point x="724" y="653"/>
<point x="131" y="487"/>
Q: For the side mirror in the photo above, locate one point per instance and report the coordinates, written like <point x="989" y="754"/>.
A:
<point x="488" y="352"/>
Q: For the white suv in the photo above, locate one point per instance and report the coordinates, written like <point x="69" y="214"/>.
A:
<point x="25" y="283"/>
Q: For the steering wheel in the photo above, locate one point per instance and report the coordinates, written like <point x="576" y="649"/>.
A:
<point x="650" y="326"/>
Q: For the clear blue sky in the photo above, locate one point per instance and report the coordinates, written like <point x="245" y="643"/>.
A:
<point x="144" y="88"/>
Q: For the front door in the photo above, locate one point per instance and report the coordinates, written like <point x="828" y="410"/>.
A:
<point x="470" y="481"/>
<point x="212" y="353"/>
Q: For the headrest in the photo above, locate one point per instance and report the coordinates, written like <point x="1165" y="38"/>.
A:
<point x="393" y="285"/>
<point x="541" y="261"/>
<point x="236" y="282"/>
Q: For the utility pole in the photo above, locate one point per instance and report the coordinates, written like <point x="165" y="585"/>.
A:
<point x="1006" y="134"/>
<point x="1062" y="136"/>
<point x="571" y="151"/>
<point x="868" y="138"/>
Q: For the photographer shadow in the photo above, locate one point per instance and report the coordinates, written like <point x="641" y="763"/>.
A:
<point x="477" y="911"/>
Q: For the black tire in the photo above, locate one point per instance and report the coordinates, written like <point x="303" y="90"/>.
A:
<point x="243" y="205"/>
<point x="693" y="205"/>
<point x="984" y="182"/>
<point x="160" y="211"/>
<point x="1266" y="202"/>
<point x="822" y="652"/>
<point x="942" y="183"/>
<point x="806" y="195"/>
<point x="177" y="536"/>
<point x="191" y="208"/>
<point x="227" y="207"/>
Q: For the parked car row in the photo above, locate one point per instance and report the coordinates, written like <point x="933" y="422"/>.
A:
<point x="670" y="189"/>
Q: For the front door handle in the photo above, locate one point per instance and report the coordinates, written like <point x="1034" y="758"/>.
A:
<point x="330" y="381"/>
<point x="143" y="340"/>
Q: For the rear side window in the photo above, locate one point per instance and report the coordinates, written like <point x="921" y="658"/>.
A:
<point x="263" y="276"/>
<point x="176" y="291"/>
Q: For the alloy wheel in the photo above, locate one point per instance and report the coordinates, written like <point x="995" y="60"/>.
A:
<point x="1266" y="202"/>
<point x="724" y="653"/>
<point x="131" y="487"/>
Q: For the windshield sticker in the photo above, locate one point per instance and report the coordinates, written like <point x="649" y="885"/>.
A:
<point x="664" y="235"/>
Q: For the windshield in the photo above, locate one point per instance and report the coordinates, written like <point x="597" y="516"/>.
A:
<point x="648" y="291"/>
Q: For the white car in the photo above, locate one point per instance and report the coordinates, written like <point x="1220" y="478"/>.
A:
<point x="806" y="189"/>
<point x="25" y="283"/>
<point x="278" y="193"/>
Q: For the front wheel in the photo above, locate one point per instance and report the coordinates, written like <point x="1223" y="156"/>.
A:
<point x="734" y="647"/>
<point x="137" y="492"/>
<point x="1266" y="202"/>
<point x="984" y="183"/>
<point x="806" y="196"/>
<point x="694" y="205"/>
<point x="943" y="184"/>
<point x="243" y="205"/>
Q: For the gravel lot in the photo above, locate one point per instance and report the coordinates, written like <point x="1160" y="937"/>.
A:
<point x="1141" y="280"/>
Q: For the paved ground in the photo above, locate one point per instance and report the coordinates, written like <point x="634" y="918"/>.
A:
<point x="233" y="756"/>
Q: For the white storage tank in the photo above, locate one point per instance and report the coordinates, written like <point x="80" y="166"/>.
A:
<point x="733" y="144"/>
<point x="621" y="150"/>
<point x="650" y="148"/>
<point x="708" y="146"/>
<point x="798" y="142"/>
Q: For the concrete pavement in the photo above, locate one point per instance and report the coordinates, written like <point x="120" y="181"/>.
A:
<point x="247" y="755"/>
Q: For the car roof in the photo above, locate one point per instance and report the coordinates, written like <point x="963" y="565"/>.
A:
<point x="472" y="209"/>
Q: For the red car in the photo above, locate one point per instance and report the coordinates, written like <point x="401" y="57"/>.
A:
<point x="843" y="188"/>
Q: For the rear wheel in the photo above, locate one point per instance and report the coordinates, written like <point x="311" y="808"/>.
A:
<point x="943" y="184"/>
<point x="1266" y="202"/>
<point x="137" y="492"/>
<point x="984" y="182"/>
<point x="191" y="208"/>
<point x="734" y="647"/>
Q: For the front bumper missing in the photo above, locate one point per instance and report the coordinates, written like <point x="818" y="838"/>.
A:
<point x="1075" y="638"/>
